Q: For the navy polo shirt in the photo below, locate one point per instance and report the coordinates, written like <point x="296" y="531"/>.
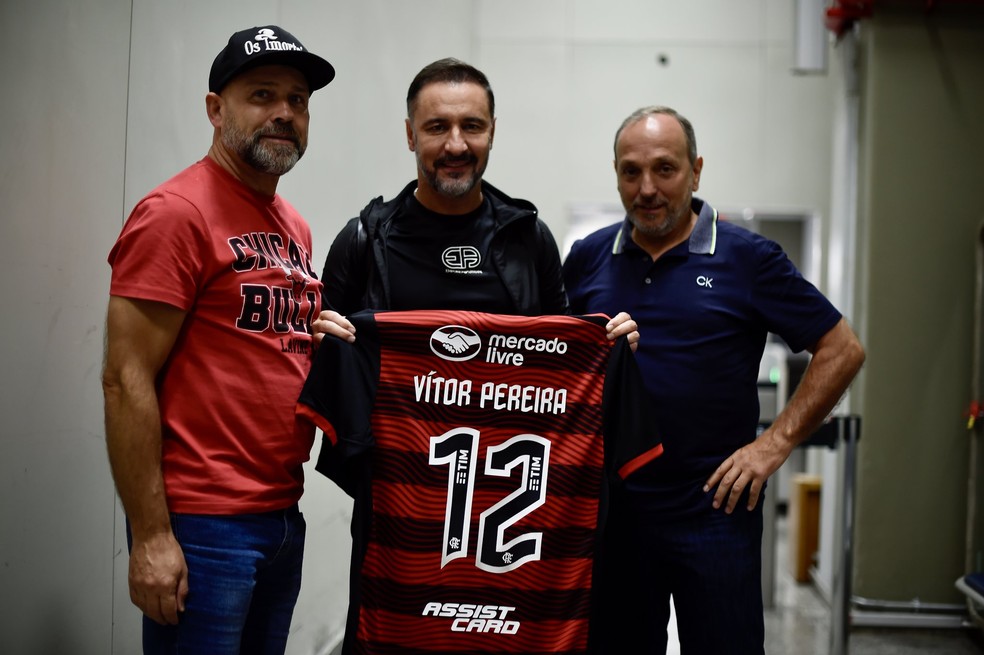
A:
<point x="704" y="310"/>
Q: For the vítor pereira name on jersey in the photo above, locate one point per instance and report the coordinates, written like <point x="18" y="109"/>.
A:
<point x="438" y="390"/>
<point x="474" y="618"/>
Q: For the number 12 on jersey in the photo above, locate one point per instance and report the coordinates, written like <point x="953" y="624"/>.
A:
<point x="457" y="449"/>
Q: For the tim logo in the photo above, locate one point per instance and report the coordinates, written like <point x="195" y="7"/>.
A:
<point x="461" y="258"/>
<point x="455" y="343"/>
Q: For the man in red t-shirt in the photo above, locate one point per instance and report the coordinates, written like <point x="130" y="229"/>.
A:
<point x="209" y="340"/>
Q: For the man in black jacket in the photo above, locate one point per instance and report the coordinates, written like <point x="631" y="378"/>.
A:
<point x="448" y="240"/>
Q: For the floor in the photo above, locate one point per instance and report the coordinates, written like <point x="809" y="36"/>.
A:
<point x="799" y="624"/>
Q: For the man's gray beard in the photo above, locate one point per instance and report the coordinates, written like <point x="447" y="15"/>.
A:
<point x="654" y="230"/>
<point x="454" y="188"/>
<point x="266" y="158"/>
<point x="450" y="188"/>
<point x="668" y="226"/>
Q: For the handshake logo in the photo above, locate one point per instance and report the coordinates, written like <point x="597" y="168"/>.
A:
<point x="455" y="343"/>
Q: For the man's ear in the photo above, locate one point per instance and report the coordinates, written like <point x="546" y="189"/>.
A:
<point x="410" y="139"/>
<point x="698" y="166"/>
<point x="214" y="106"/>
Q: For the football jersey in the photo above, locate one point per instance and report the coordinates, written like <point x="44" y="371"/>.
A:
<point x="479" y="449"/>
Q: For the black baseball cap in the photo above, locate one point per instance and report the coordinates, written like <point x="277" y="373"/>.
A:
<point x="266" y="46"/>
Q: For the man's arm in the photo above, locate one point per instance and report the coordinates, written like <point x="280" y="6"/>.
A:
<point x="139" y="337"/>
<point x="837" y="358"/>
<point x="345" y="274"/>
<point x="553" y="297"/>
<point x="344" y="279"/>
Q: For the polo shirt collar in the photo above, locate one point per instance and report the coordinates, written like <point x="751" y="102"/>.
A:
<point x="702" y="240"/>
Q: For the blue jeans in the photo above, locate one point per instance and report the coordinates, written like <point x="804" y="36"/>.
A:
<point x="244" y="574"/>
<point x="712" y="566"/>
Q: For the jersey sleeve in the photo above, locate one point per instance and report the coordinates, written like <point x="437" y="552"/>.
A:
<point x="631" y="436"/>
<point x="338" y="397"/>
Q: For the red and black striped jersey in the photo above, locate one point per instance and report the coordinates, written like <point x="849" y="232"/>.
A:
<point x="479" y="449"/>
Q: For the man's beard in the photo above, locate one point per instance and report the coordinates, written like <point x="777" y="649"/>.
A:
<point x="669" y="225"/>
<point x="455" y="187"/>
<point x="266" y="157"/>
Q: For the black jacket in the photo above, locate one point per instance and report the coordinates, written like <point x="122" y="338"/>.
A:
<point x="523" y="252"/>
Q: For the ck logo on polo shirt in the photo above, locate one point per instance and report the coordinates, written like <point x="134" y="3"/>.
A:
<point x="704" y="281"/>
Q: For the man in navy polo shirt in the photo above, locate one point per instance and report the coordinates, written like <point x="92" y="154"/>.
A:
<point x="705" y="295"/>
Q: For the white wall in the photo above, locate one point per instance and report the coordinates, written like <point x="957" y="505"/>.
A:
<point x="566" y="77"/>
<point x="61" y="156"/>
<point x="105" y="100"/>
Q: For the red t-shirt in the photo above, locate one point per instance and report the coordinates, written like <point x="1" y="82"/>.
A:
<point x="240" y="264"/>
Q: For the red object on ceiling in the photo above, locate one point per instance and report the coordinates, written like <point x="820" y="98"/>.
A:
<point x="841" y="14"/>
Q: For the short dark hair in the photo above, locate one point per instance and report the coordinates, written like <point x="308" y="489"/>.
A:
<point x="449" y="70"/>
<point x="639" y="114"/>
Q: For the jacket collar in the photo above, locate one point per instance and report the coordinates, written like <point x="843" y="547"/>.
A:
<point x="505" y="208"/>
